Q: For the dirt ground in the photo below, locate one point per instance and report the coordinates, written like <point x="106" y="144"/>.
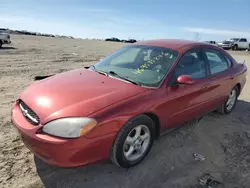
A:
<point x="224" y="141"/>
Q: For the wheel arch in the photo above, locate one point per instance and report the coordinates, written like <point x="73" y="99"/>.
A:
<point x="157" y="123"/>
<point x="154" y="118"/>
<point x="239" y="88"/>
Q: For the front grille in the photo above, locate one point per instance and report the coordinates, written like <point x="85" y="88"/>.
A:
<point x="29" y="114"/>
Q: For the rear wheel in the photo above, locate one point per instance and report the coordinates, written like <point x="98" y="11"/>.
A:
<point x="1" y="43"/>
<point x="229" y="105"/>
<point x="133" y="142"/>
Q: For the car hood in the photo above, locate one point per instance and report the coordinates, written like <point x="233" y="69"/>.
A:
<point x="4" y="34"/>
<point x="76" y="93"/>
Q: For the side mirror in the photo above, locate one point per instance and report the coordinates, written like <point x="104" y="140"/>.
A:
<point x="185" y="79"/>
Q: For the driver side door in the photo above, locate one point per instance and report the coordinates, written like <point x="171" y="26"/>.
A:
<point x="186" y="102"/>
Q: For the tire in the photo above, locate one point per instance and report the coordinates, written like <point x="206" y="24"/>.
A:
<point x="235" y="47"/>
<point x="224" y="109"/>
<point x="1" y="44"/>
<point x="127" y="141"/>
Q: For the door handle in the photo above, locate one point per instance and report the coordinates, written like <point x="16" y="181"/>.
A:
<point x="231" y="77"/>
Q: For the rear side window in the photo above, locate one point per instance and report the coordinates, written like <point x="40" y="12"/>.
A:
<point x="217" y="61"/>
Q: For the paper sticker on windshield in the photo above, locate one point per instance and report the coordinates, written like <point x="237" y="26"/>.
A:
<point x="138" y="71"/>
<point x="146" y="65"/>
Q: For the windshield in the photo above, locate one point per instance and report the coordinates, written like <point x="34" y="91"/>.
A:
<point x="234" y="39"/>
<point x="145" y="65"/>
<point x="226" y="42"/>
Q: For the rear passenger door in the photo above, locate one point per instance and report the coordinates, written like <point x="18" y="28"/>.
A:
<point x="220" y="79"/>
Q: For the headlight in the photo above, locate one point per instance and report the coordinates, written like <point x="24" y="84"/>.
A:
<point x="70" y="127"/>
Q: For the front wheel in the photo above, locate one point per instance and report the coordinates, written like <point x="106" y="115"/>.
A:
<point x="229" y="105"/>
<point x="235" y="47"/>
<point x="133" y="142"/>
<point x="1" y="43"/>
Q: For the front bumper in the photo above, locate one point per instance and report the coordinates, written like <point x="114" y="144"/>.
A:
<point x="6" y="41"/>
<point x="226" y="46"/>
<point x="59" y="151"/>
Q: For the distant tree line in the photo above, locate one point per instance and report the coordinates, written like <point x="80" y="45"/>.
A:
<point x="113" y="39"/>
<point x="24" y="32"/>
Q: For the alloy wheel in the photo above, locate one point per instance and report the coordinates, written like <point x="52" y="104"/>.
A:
<point x="136" y="143"/>
<point x="231" y="100"/>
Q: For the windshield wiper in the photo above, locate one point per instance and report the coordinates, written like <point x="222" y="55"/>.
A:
<point x="114" y="73"/>
<point x="93" y="66"/>
<point x="124" y="78"/>
<point x="100" y="72"/>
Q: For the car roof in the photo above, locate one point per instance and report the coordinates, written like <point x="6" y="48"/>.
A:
<point x="174" y="44"/>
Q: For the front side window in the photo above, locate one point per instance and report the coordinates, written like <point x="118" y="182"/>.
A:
<point x="243" y="40"/>
<point x="191" y="64"/>
<point x="217" y="61"/>
<point x="146" y="65"/>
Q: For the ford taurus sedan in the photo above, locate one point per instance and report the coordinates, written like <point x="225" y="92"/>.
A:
<point x="119" y="106"/>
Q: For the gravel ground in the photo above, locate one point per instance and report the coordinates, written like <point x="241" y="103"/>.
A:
<point x="224" y="141"/>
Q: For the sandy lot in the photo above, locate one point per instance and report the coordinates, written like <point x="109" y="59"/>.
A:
<point x="224" y="141"/>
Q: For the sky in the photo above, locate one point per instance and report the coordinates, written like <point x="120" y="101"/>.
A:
<point x="139" y="19"/>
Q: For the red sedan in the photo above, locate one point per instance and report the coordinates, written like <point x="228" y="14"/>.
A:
<point x="117" y="108"/>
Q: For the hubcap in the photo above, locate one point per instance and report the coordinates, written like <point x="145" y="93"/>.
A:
<point x="136" y="143"/>
<point x="231" y="100"/>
